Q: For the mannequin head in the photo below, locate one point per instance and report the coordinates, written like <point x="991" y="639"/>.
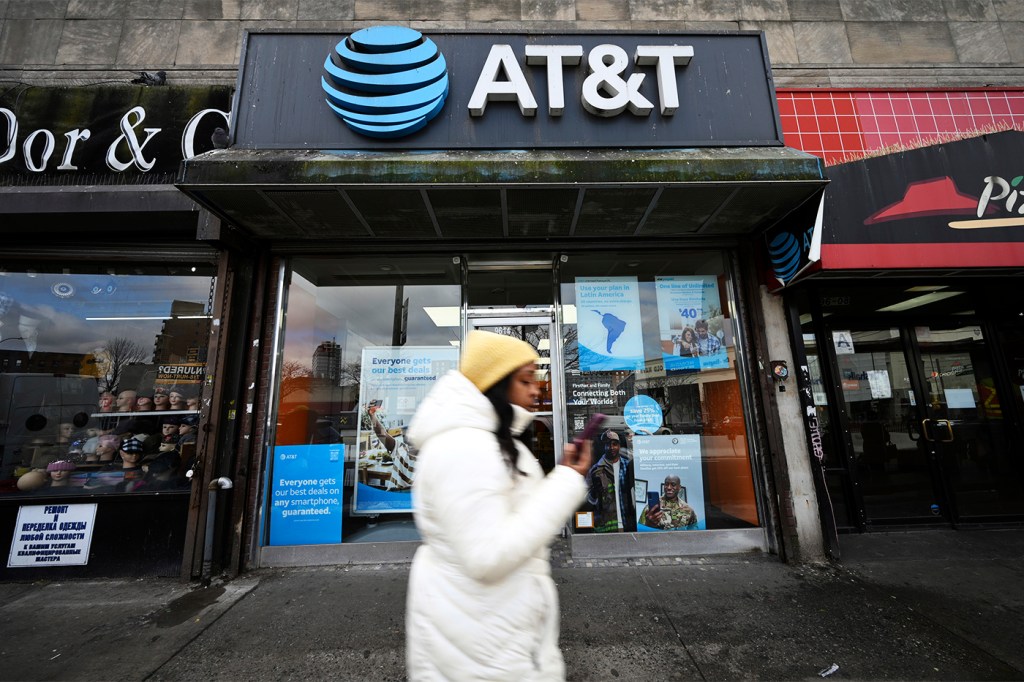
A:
<point x="126" y="401"/>
<point x="177" y="399"/>
<point x="192" y="403"/>
<point x="106" y="402"/>
<point x="106" y="448"/>
<point x="65" y="431"/>
<point x="161" y="399"/>
<point x="60" y="472"/>
<point x="144" y="403"/>
<point x="169" y="431"/>
<point x="131" y="453"/>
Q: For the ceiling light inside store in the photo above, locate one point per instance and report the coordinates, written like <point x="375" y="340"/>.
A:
<point x="444" y="316"/>
<point x="568" y="314"/>
<point x="123" y="318"/>
<point x="149" y="317"/>
<point x="924" y="287"/>
<point x="919" y="301"/>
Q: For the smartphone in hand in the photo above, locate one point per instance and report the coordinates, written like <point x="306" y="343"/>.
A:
<point x="653" y="499"/>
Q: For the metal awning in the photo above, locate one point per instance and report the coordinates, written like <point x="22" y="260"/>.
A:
<point x="493" y="195"/>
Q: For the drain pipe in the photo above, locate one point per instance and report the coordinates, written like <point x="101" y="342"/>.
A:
<point x="222" y="483"/>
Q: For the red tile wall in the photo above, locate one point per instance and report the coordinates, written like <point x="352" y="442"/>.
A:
<point x="841" y="125"/>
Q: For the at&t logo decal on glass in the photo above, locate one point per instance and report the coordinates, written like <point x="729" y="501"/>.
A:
<point x="386" y="81"/>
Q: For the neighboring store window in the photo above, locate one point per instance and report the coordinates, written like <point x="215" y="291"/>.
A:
<point x="364" y="341"/>
<point x="101" y="370"/>
<point x="650" y="341"/>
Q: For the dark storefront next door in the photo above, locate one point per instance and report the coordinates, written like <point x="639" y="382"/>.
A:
<point x="925" y="435"/>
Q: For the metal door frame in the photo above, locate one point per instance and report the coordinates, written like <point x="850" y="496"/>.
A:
<point x="497" y="317"/>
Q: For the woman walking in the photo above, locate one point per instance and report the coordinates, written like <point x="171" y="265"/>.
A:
<point x="482" y="604"/>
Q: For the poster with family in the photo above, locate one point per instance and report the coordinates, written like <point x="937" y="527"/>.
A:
<point x="392" y="382"/>
<point x="694" y="332"/>
<point x="669" y="483"/>
<point x="608" y="324"/>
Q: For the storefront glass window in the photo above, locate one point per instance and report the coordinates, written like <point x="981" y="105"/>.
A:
<point x="650" y="341"/>
<point x="101" y="371"/>
<point x="364" y="341"/>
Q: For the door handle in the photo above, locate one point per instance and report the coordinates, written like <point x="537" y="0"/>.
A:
<point x="949" y="430"/>
<point x="924" y="430"/>
<point x="940" y="423"/>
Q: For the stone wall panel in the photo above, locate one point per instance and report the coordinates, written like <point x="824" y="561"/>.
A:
<point x="151" y="44"/>
<point x="979" y="42"/>
<point x="326" y="10"/>
<point x="213" y="9"/>
<point x="901" y="43"/>
<point x="602" y="10"/>
<point x="89" y="42"/>
<point x="822" y="42"/>
<point x="95" y="9"/>
<point x="30" y="41"/>
<point x="156" y="9"/>
<point x="972" y="10"/>
<point x="208" y="43"/>
<point x="37" y="9"/>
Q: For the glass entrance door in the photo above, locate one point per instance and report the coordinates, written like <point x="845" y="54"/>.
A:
<point x="926" y="439"/>
<point x="964" y="427"/>
<point x="536" y="327"/>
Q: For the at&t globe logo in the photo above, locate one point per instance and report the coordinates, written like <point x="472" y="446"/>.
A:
<point x="785" y="255"/>
<point x="386" y="81"/>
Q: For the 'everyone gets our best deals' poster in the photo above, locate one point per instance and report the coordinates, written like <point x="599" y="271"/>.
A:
<point x="608" y="324"/>
<point x="392" y="382"/>
<point x="305" y="494"/>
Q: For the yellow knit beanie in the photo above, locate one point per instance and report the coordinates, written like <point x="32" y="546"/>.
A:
<point x="487" y="358"/>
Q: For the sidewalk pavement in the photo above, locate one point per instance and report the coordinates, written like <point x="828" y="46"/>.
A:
<point x="926" y="605"/>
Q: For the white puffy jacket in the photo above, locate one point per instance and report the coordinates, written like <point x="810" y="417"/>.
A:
<point x="482" y="604"/>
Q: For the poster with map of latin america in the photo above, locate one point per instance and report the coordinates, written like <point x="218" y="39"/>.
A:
<point x="608" y="324"/>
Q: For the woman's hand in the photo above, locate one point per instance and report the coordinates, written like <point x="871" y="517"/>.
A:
<point x="578" y="458"/>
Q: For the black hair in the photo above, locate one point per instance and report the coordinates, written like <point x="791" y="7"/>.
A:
<point x="498" y="395"/>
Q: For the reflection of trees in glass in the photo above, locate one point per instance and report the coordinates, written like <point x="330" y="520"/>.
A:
<point x="570" y="347"/>
<point x="349" y="374"/>
<point x="295" y="376"/>
<point x="117" y="354"/>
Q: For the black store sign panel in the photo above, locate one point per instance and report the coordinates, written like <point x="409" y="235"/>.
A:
<point x="958" y="204"/>
<point x="725" y="94"/>
<point x="105" y="133"/>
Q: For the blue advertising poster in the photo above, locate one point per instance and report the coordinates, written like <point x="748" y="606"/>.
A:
<point x="669" y="467"/>
<point x="694" y="332"/>
<point x="305" y="494"/>
<point x="392" y="382"/>
<point x="608" y="324"/>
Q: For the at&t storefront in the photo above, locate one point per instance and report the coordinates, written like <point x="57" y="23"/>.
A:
<point x="597" y="195"/>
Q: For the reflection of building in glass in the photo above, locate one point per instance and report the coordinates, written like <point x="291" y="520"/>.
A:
<point x="183" y="337"/>
<point x="43" y="362"/>
<point x="327" y="361"/>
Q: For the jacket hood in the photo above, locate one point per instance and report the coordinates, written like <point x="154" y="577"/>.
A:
<point x="455" y="402"/>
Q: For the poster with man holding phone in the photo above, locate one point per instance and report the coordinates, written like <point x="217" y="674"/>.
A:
<point x="671" y="466"/>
